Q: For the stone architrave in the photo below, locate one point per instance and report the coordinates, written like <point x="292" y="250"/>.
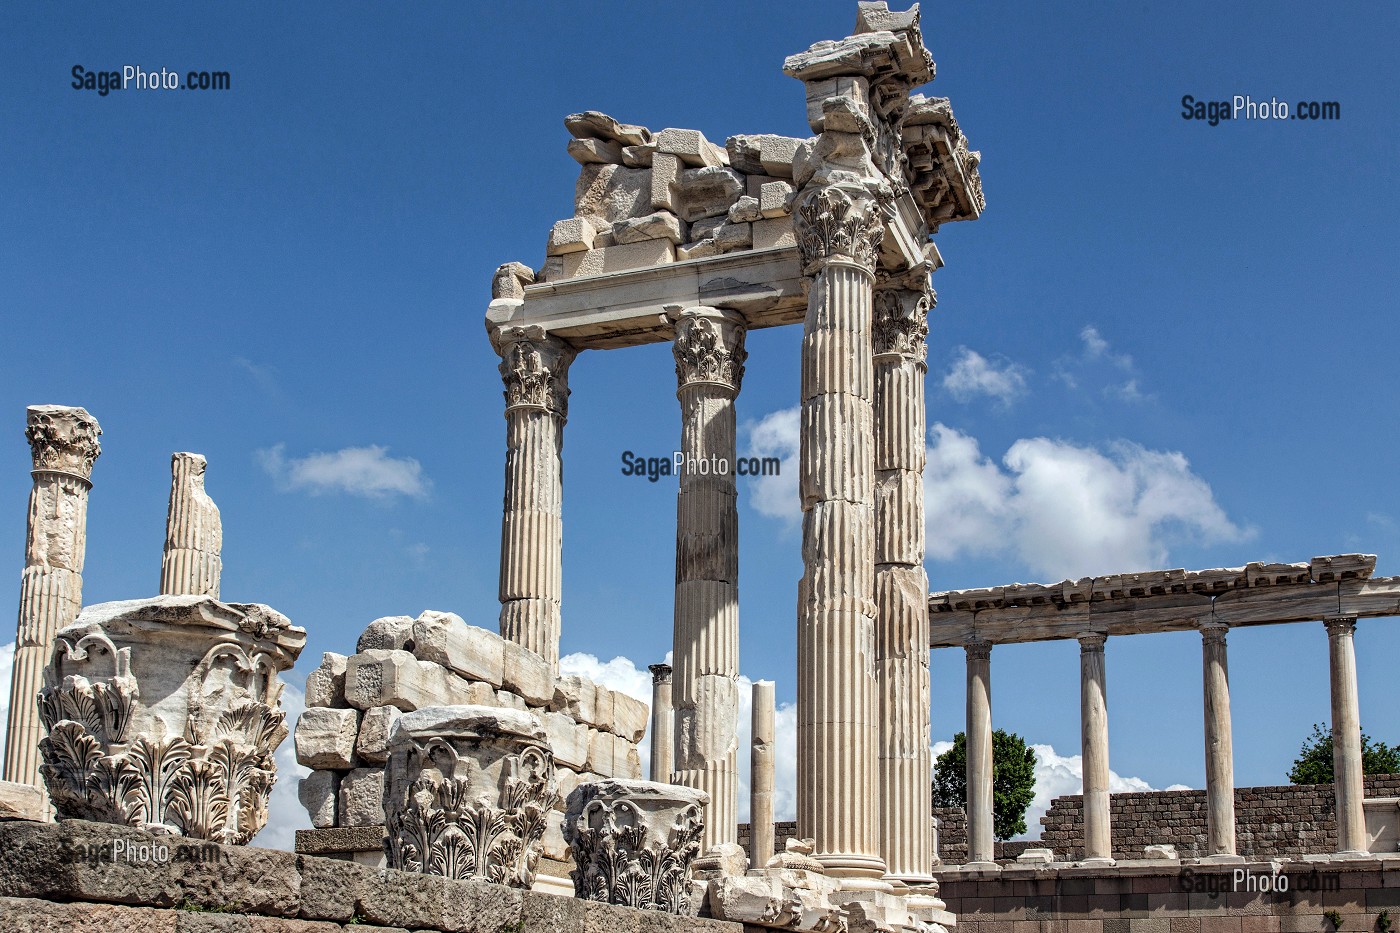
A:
<point x="165" y="713"/>
<point x="838" y="230"/>
<point x="633" y="843"/>
<point x="467" y="793"/>
<point x="64" y="444"/>
<point x="662" y="724"/>
<point x="194" y="536"/>
<point x="709" y="355"/>
<point x="900" y="324"/>
<point x="534" y="367"/>
<point x="761" y="764"/>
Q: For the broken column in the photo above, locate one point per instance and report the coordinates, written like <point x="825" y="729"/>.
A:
<point x="194" y="536"/>
<point x="63" y="443"/>
<point x="1347" y="780"/>
<point x="1220" y="765"/>
<point x="1093" y="731"/>
<point x="901" y="584"/>
<point x="838" y="231"/>
<point x="709" y="355"/>
<point x="534" y="367"/>
<point x="761" y="775"/>
<point x="467" y="791"/>
<point x="663" y="736"/>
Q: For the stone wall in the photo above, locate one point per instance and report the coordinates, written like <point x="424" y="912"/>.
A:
<point x="402" y="664"/>
<point x="80" y="877"/>
<point x="1270" y="822"/>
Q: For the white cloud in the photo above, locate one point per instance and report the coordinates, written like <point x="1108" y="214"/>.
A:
<point x="285" y="814"/>
<point x="776" y="435"/>
<point x="973" y="375"/>
<point x="1065" y="510"/>
<point x="1096" y="354"/>
<point x="357" y="471"/>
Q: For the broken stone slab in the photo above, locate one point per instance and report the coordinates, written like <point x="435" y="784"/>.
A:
<point x="606" y="194"/>
<point x="372" y="744"/>
<point x="705" y="229"/>
<point x="325" y="686"/>
<point x="629" y="717"/>
<point x="665" y="173"/>
<point x="22" y="801"/>
<point x="601" y="752"/>
<point x="864" y="55"/>
<point x="1036" y="857"/>
<point x="707" y="192"/>
<point x="732" y="236"/>
<point x="591" y="124"/>
<point x="484" y="777"/>
<point x="616" y="827"/>
<point x="568" y="739"/>
<point x="379" y="677"/>
<point x="390" y="633"/>
<point x="362" y="797"/>
<point x="444" y="638"/>
<point x="325" y="738"/>
<point x="526" y="673"/>
<point x="691" y="147"/>
<point x="1159" y="852"/>
<point x="638" y="156"/>
<point x="507" y="700"/>
<point x="775" y="199"/>
<point x="318" y="792"/>
<point x="659" y="225"/>
<point x="773" y="232"/>
<point x="764" y="154"/>
<point x="607" y="259"/>
<point x="701" y="250"/>
<point x="572" y="235"/>
<point x="577" y="696"/>
<point x="595" y="152"/>
<point x="772" y="899"/>
<point x="745" y="210"/>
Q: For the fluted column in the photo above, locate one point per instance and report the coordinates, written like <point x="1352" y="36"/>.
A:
<point x="838" y="233"/>
<point x="981" y="838"/>
<point x="63" y="442"/>
<point x="1346" y="736"/>
<point x="194" y="537"/>
<point x="900" y="326"/>
<point x="709" y="355"/>
<point x="662" y="729"/>
<point x="761" y="775"/>
<point x="535" y="368"/>
<point x="1093" y="722"/>
<point x="1220" y="761"/>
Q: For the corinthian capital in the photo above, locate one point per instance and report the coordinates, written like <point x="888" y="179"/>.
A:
<point x="63" y="439"/>
<point x="535" y="369"/>
<point x="901" y="322"/>
<point x="838" y="222"/>
<point x="709" y="348"/>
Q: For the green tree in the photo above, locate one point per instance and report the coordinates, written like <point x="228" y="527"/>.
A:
<point x="1013" y="780"/>
<point x="1314" y="762"/>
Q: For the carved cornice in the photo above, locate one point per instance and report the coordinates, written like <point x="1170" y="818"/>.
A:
<point x="840" y="223"/>
<point x="63" y="440"/>
<point x="535" y="370"/>
<point x="709" y="348"/>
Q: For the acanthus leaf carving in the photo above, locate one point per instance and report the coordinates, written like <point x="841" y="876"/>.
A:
<point x="535" y="368"/>
<point x="708" y="352"/>
<point x="838" y="222"/>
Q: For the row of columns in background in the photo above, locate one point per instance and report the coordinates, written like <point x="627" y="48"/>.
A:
<point x="1220" y="782"/>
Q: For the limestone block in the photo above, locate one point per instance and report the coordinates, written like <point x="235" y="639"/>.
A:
<point x="567" y="780"/>
<point x="592" y="124"/>
<point x="552" y="845"/>
<point x="691" y="147"/>
<point x="775" y="199"/>
<point x="21" y="801"/>
<point x="627" y="761"/>
<point x="325" y="686"/>
<point x="362" y="797"/>
<point x="595" y="151"/>
<point x="396" y="678"/>
<point x="773" y="232"/>
<point x="638" y="156"/>
<point x="317" y="793"/>
<point x="601" y="754"/>
<point x="475" y="653"/>
<point x="705" y="248"/>
<point x="606" y="194"/>
<point x="629" y="717"/>
<point x="665" y="174"/>
<point x="567" y="738"/>
<point x="707" y="192"/>
<point x="744" y="210"/>
<point x="851" y="87"/>
<point x="527" y="674"/>
<point x="705" y="229"/>
<point x="390" y="633"/>
<point x="602" y="708"/>
<point x="576" y="696"/>
<point x="765" y="154"/>
<point x="609" y="259"/>
<point x="661" y="225"/>
<point x="372" y="745"/>
<point x="732" y="236"/>
<point x="325" y="738"/>
<point x="571" y="235"/>
<point x="796" y="900"/>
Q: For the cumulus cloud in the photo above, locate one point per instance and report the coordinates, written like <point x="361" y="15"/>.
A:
<point x="285" y="814"/>
<point x="1097" y="361"/>
<point x="1066" y="510"/>
<point x="776" y="435"/>
<point x="974" y="375"/>
<point x="358" y="471"/>
<point x="623" y="675"/>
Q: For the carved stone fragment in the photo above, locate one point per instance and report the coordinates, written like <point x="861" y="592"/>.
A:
<point x="190" y="565"/>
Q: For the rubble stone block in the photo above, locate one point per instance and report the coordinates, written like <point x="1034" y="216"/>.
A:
<point x="601" y="754"/>
<point x="388" y="633"/>
<point x="660" y="225"/>
<point x="606" y="194"/>
<point x="775" y="199"/>
<point x="732" y="236"/>
<point x="744" y="210"/>
<point x="362" y="797"/>
<point x="638" y="156"/>
<point x="595" y="151"/>
<point x="527" y="674"/>
<point x="630" y="717"/>
<point x="443" y="638"/>
<point x="372" y="745"/>
<point x="665" y="174"/>
<point x="701" y="250"/>
<point x="325" y="738"/>
<point x="317" y="793"/>
<point x="707" y="192"/>
<point x="576" y="696"/>
<point x="691" y="147"/>
<point x="325" y="686"/>
<point x="591" y="124"/>
<point x="773" y="232"/>
<point x="380" y="677"/>
<point x="567" y="738"/>
<point x="764" y="154"/>
<point x="571" y="235"/>
<point x="604" y="260"/>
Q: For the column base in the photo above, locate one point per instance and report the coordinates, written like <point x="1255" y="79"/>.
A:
<point x="856" y="872"/>
<point x="1221" y="859"/>
<point x="1352" y="854"/>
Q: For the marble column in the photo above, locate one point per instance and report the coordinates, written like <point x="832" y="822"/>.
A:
<point x="900" y="326"/>
<point x="1093" y="722"/>
<point x="981" y="839"/>
<point x="535" y="369"/>
<point x="1220" y="762"/>
<point x="663" y="736"/>
<point x="191" y="565"/>
<point x="63" y="442"/>
<point x="838" y="230"/>
<point x="709" y="354"/>
<point x="761" y="775"/>
<point x="1346" y="736"/>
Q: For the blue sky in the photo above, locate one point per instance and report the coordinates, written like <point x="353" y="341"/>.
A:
<point x="1164" y="344"/>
